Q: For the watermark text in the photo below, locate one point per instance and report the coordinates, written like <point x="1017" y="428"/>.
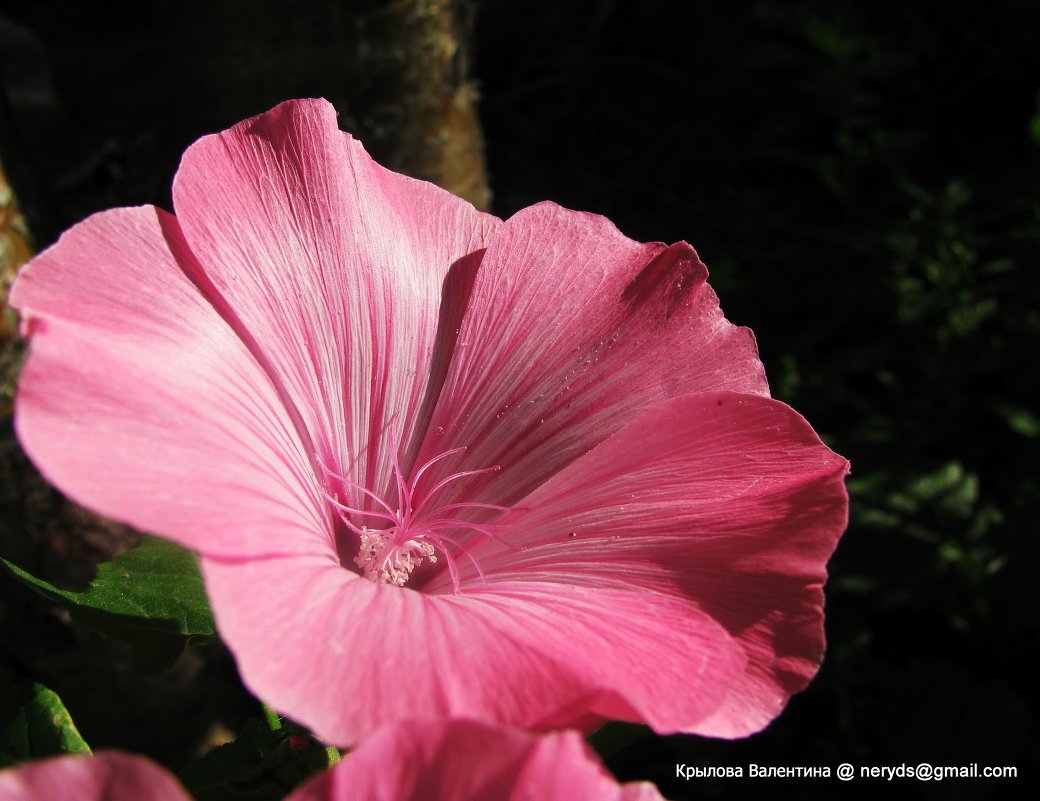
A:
<point x="846" y="771"/>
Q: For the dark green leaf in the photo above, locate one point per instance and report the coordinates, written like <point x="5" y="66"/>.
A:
<point x="35" y="724"/>
<point x="613" y="737"/>
<point x="151" y="598"/>
<point x="261" y="764"/>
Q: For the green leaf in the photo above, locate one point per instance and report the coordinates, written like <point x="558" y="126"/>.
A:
<point x="151" y="598"/>
<point x="34" y="723"/>
<point x="237" y="770"/>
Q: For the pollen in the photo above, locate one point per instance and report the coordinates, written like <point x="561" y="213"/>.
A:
<point x="396" y="541"/>
<point x="387" y="563"/>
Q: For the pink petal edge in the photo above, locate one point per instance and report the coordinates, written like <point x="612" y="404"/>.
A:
<point x="728" y="501"/>
<point x="331" y="268"/>
<point x="572" y="329"/>
<point x="416" y="760"/>
<point x="525" y="654"/>
<point x="106" y="776"/>
<point x="141" y="404"/>
<point x="466" y="760"/>
<point x="684" y="548"/>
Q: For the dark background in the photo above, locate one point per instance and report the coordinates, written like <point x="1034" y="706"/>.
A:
<point x="863" y="180"/>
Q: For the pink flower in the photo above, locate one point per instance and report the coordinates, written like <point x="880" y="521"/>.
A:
<point x="463" y="760"/>
<point x="435" y="464"/>
<point x="110" y="776"/>
<point x="441" y="760"/>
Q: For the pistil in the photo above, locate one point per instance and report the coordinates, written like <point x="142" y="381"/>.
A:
<point x="413" y="532"/>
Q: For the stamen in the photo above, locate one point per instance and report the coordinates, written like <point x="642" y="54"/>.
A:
<point x="449" y="522"/>
<point x="354" y="485"/>
<point x="342" y="506"/>
<point x="453" y="567"/>
<point x="384" y="562"/>
<point x="390" y="555"/>
<point x="404" y="495"/>
<point x="434" y="461"/>
<point x="439" y="537"/>
<point x="444" y="482"/>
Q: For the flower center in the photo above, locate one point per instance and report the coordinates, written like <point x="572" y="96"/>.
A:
<point x="386" y="562"/>
<point x="394" y="542"/>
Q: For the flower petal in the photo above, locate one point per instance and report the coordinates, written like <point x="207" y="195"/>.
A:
<point x="331" y="268"/>
<point x="106" y="776"/>
<point x="697" y="534"/>
<point x="344" y="655"/>
<point x="572" y="329"/>
<point x="463" y="760"/>
<point x="140" y="402"/>
<point x="728" y="504"/>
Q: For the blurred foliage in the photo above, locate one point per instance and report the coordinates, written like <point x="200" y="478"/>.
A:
<point x="864" y="184"/>
<point x="264" y="763"/>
